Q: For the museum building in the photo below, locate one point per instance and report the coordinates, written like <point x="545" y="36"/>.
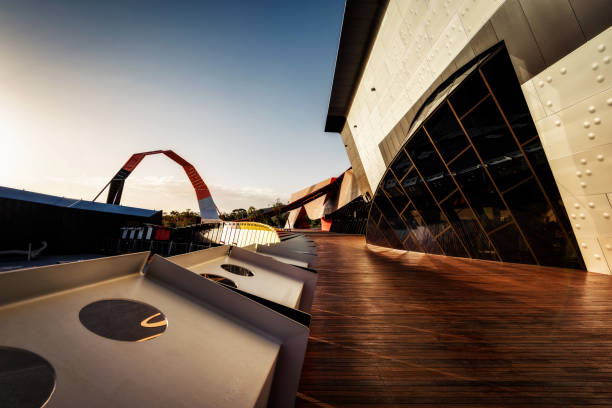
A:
<point x="481" y="129"/>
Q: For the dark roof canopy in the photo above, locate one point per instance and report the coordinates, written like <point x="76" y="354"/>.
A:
<point x="30" y="196"/>
<point x="360" y="25"/>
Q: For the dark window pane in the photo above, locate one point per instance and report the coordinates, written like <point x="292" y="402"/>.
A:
<point x="419" y="230"/>
<point x="446" y="132"/>
<point x="540" y="225"/>
<point x="488" y="131"/>
<point x="374" y="236"/>
<point x="427" y="241"/>
<point x="537" y="158"/>
<point x="428" y="162"/>
<point x="383" y="203"/>
<point x="505" y="86"/>
<point x="374" y="214"/>
<point x="472" y="90"/>
<point x="411" y="218"/>
<point x="511" y="246"/>
<point x="401" y="165"/>
<point x="509" y="169"/>
<point x="391" y="216"/>
<point x="451" y="245"/>
<point x="425" y="204"/>
<point x="479" y="191"/>
<point x="395" y="192"/>
<point x="411" y="245"/>
<point x="465" y="225"/>
<point x="389" y="234"/>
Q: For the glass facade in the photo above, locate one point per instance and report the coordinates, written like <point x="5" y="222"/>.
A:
<point x="473" y="181"/>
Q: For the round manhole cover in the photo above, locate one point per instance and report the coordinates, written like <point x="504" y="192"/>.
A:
<point x="26" y="379"/>
<point x="219" y="279"/>
<point x="238" y="270"/>
<point x="124" y="320"/>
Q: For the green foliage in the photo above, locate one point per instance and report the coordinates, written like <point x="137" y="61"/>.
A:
<point x="314" y="223"/>
<point x="274" y="218"/>
<point x="176" y="219"/>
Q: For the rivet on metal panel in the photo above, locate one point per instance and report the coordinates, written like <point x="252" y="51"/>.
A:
<point x="600" y="157"/>
<point x="591" y="204"/>
<point x="594" y="66"/>
<point x="597" y="256"/>
<point x="576" y="205"/>
<point x="597" y="120"/>
<point x="577" y="226"/>
<point x="578" y="174"/>
<point x="549" y="79"/>
<point x="601" y="48"/>
<point x="573" y="216"/>
<point x="583" y="161"/>
<point x="549" y="103"/>
<point x="591" y="109"/>
<point x="608" y="247"/>
<point x="588" y="172"/>
<point x="557" y="123"/>
<point x="582" y="216"/>
<point x="600" y="78"/>
<point x="541" y="84"/>
<point x="586" y="124"/>
<point x="563" y="71"/>
<point x="583" y="184"/>
<point x="606" y="215"/>
<point x="583" y="244"/>
<point x="609" y="101"/>
<point x="591" y="135"/>
<point x="606" y="59"/>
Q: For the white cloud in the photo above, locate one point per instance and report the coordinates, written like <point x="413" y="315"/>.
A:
<point x="172" y="193"/>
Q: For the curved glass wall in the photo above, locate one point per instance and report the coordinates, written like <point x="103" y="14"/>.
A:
<point x="473" y="180"/>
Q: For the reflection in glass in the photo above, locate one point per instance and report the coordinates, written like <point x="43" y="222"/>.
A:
<point x="401" y="165"/>
<point x="471" y="91"/>
<point x="429" y="165"/>
<point x="465" y="224"/>
<point x="394" y="192"/>
<point x="444" y="130"/>
<point x="502" y="79"/>
<point x="479" y="190"/>
<point x="510" y="245"/>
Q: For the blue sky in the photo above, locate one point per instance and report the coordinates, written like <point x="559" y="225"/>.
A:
<point x="240" y="89"/>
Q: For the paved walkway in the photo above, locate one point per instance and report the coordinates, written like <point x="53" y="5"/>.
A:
<point x="391" y="329"/>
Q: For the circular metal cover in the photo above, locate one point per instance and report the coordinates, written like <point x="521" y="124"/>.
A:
<point x="123" y="319"/>
<point x="219" y="279"/>
<point x="26" y="379"/>
<point x="236" y="269"/>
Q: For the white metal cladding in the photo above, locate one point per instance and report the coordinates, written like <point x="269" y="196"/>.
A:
<point x="420" y="43"/>
<point x="571" y="103"/>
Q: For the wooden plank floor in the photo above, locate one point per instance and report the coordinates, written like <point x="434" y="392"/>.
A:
<point x="393" y="329"/>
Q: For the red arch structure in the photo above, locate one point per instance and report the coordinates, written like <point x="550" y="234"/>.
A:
<point x="208" y="210"/>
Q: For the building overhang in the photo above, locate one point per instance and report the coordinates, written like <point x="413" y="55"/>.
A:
<point x="360" y="26"/>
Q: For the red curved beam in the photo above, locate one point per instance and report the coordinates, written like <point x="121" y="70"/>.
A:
<point x="208" y="210"/>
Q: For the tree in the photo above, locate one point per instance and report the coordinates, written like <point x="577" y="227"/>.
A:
<point x="176" y="219"/>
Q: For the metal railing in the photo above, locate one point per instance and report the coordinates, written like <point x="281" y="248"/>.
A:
<point x="201" y="236"/>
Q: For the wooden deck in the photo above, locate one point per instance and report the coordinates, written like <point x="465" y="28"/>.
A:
<point x="396" y="329"/>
